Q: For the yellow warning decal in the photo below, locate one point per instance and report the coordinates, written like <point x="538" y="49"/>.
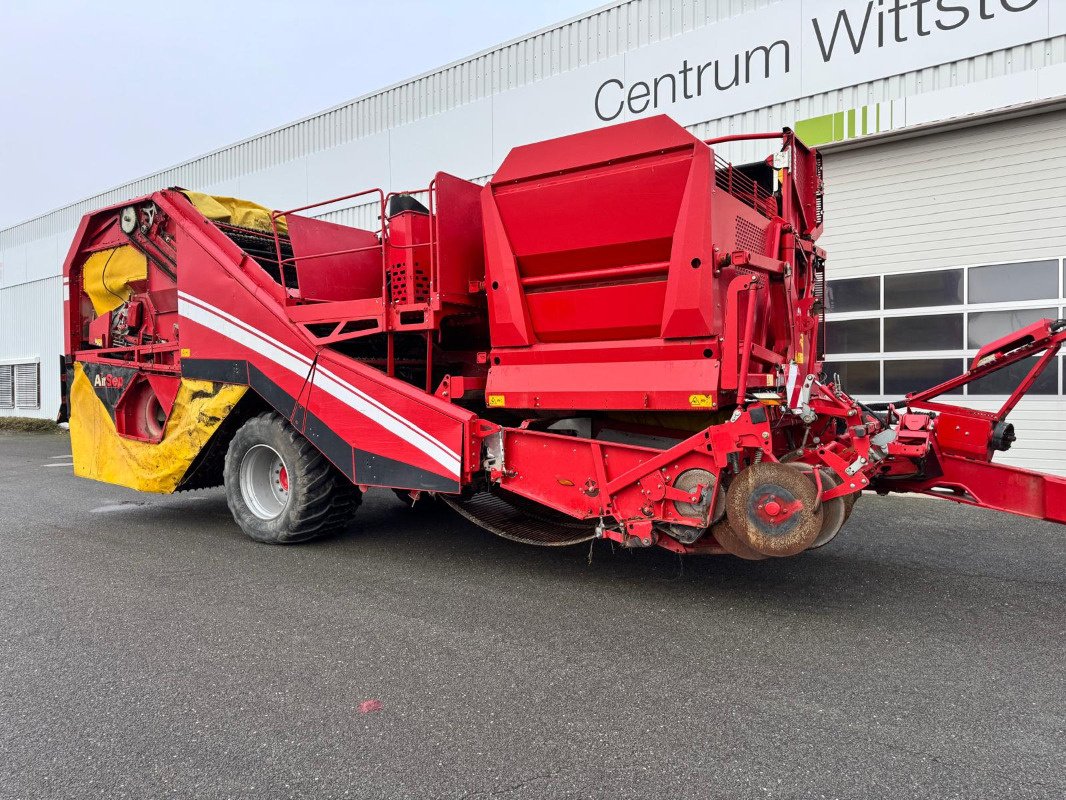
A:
<point x="185" y="352"/>
<point x="701" y="401"/>
<point x="496" y="401"/>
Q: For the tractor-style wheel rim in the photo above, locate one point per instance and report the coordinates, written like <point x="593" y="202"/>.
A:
<point x="264" y="482"/>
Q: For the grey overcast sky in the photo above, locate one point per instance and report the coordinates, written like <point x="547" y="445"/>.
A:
<point x="93" y="94"/>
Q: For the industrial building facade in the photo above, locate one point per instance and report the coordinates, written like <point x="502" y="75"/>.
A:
<point x="940" y="122"/>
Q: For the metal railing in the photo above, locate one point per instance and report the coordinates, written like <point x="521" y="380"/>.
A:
<point x="276" y="215"/>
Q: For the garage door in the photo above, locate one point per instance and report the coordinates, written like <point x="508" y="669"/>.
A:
<point x="939" y="244"/>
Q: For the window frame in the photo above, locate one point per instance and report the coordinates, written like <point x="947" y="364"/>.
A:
<point x="13" y="364"/>
<point x="8" y="367"/>
<point x="965" y="309"/>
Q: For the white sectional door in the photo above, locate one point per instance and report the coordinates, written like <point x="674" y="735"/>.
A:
<point x="938" y="244"/>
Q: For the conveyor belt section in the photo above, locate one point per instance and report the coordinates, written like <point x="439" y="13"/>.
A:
<point x="537" y="526"/>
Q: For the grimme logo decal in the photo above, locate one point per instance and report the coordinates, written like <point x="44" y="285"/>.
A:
<point x="851" y="28"/>
<point x="108" y="381"/>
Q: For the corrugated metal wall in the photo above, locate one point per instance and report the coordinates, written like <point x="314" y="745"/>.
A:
<point x="31" y="327"/>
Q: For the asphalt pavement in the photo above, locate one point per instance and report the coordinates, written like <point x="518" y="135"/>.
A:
<point x="149" y="650"/>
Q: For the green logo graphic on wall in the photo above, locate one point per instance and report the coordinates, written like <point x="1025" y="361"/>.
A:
<point x="844" y="125"/>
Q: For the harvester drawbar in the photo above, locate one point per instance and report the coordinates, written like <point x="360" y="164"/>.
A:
<point x="618" y="337"/>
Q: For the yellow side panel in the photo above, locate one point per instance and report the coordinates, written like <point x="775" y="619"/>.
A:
<point x="107" y="276"/>
<point x="235" y="211"/>
<point x="102" y="455"/>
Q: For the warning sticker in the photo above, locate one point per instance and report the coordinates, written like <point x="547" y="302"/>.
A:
<point x="496" y="401"/>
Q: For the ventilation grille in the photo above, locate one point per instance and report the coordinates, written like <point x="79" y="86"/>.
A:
<point x="28" y="385"/>
<point x="20" y="385"/>
<point x="819" y="305"/>
<point x="7" y="386"/>
<point x="750" y="237"/>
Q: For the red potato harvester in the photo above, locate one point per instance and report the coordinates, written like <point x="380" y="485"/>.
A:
<point x="618" y="337"/>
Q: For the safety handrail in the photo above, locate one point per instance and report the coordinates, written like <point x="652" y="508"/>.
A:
<point x="276" y="215"/>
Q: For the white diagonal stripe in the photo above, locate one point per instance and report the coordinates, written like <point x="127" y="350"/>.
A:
<point x="341" y="383"/>
<point x="255" y="340"/>
<point x="319" y="370"/>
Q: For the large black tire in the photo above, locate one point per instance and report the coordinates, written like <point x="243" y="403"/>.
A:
<point x="280" y="489"/>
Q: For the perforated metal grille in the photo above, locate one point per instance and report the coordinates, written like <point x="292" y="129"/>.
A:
<point x="408" y="284"/>
<point x="819" y="296"/>
<point x="751" y="237"/>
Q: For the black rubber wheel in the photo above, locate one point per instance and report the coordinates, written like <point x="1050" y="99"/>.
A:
<point x="280" y="489"/>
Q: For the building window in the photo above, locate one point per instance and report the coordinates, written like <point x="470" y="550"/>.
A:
<point x="930" y="332"/>
<point x="7" y="386"/>
<point x="1006" y="380"/>
<point x="853" y="336"/>
<point x="983" y="327"/>
<point x="923" y="289"/>
<point x="856" y="377"/>
<point x="914" y="375"/>
<point x="893" y="334"/>
<point x="855" y="294"/>
<point x="1001" y="283"/>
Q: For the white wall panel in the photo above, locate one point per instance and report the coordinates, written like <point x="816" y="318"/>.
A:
<point x="553" y="107"/>
<point x="1001" y="92"/>
<point x="1051" y="80"/>
<point x="12" y="266"/>
<point x="43" y="259"/>
<point x="31" y="326"/>
<point x="64" y="239"/>
<point x="457" y="141"/>
<point x="348" y="168"/>
<point x="981" y="194"/>
<point x="282" y="186"/>
<point x="230" y="188"/>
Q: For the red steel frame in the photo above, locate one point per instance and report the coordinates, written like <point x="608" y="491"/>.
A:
<point x="736" y="318"/>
